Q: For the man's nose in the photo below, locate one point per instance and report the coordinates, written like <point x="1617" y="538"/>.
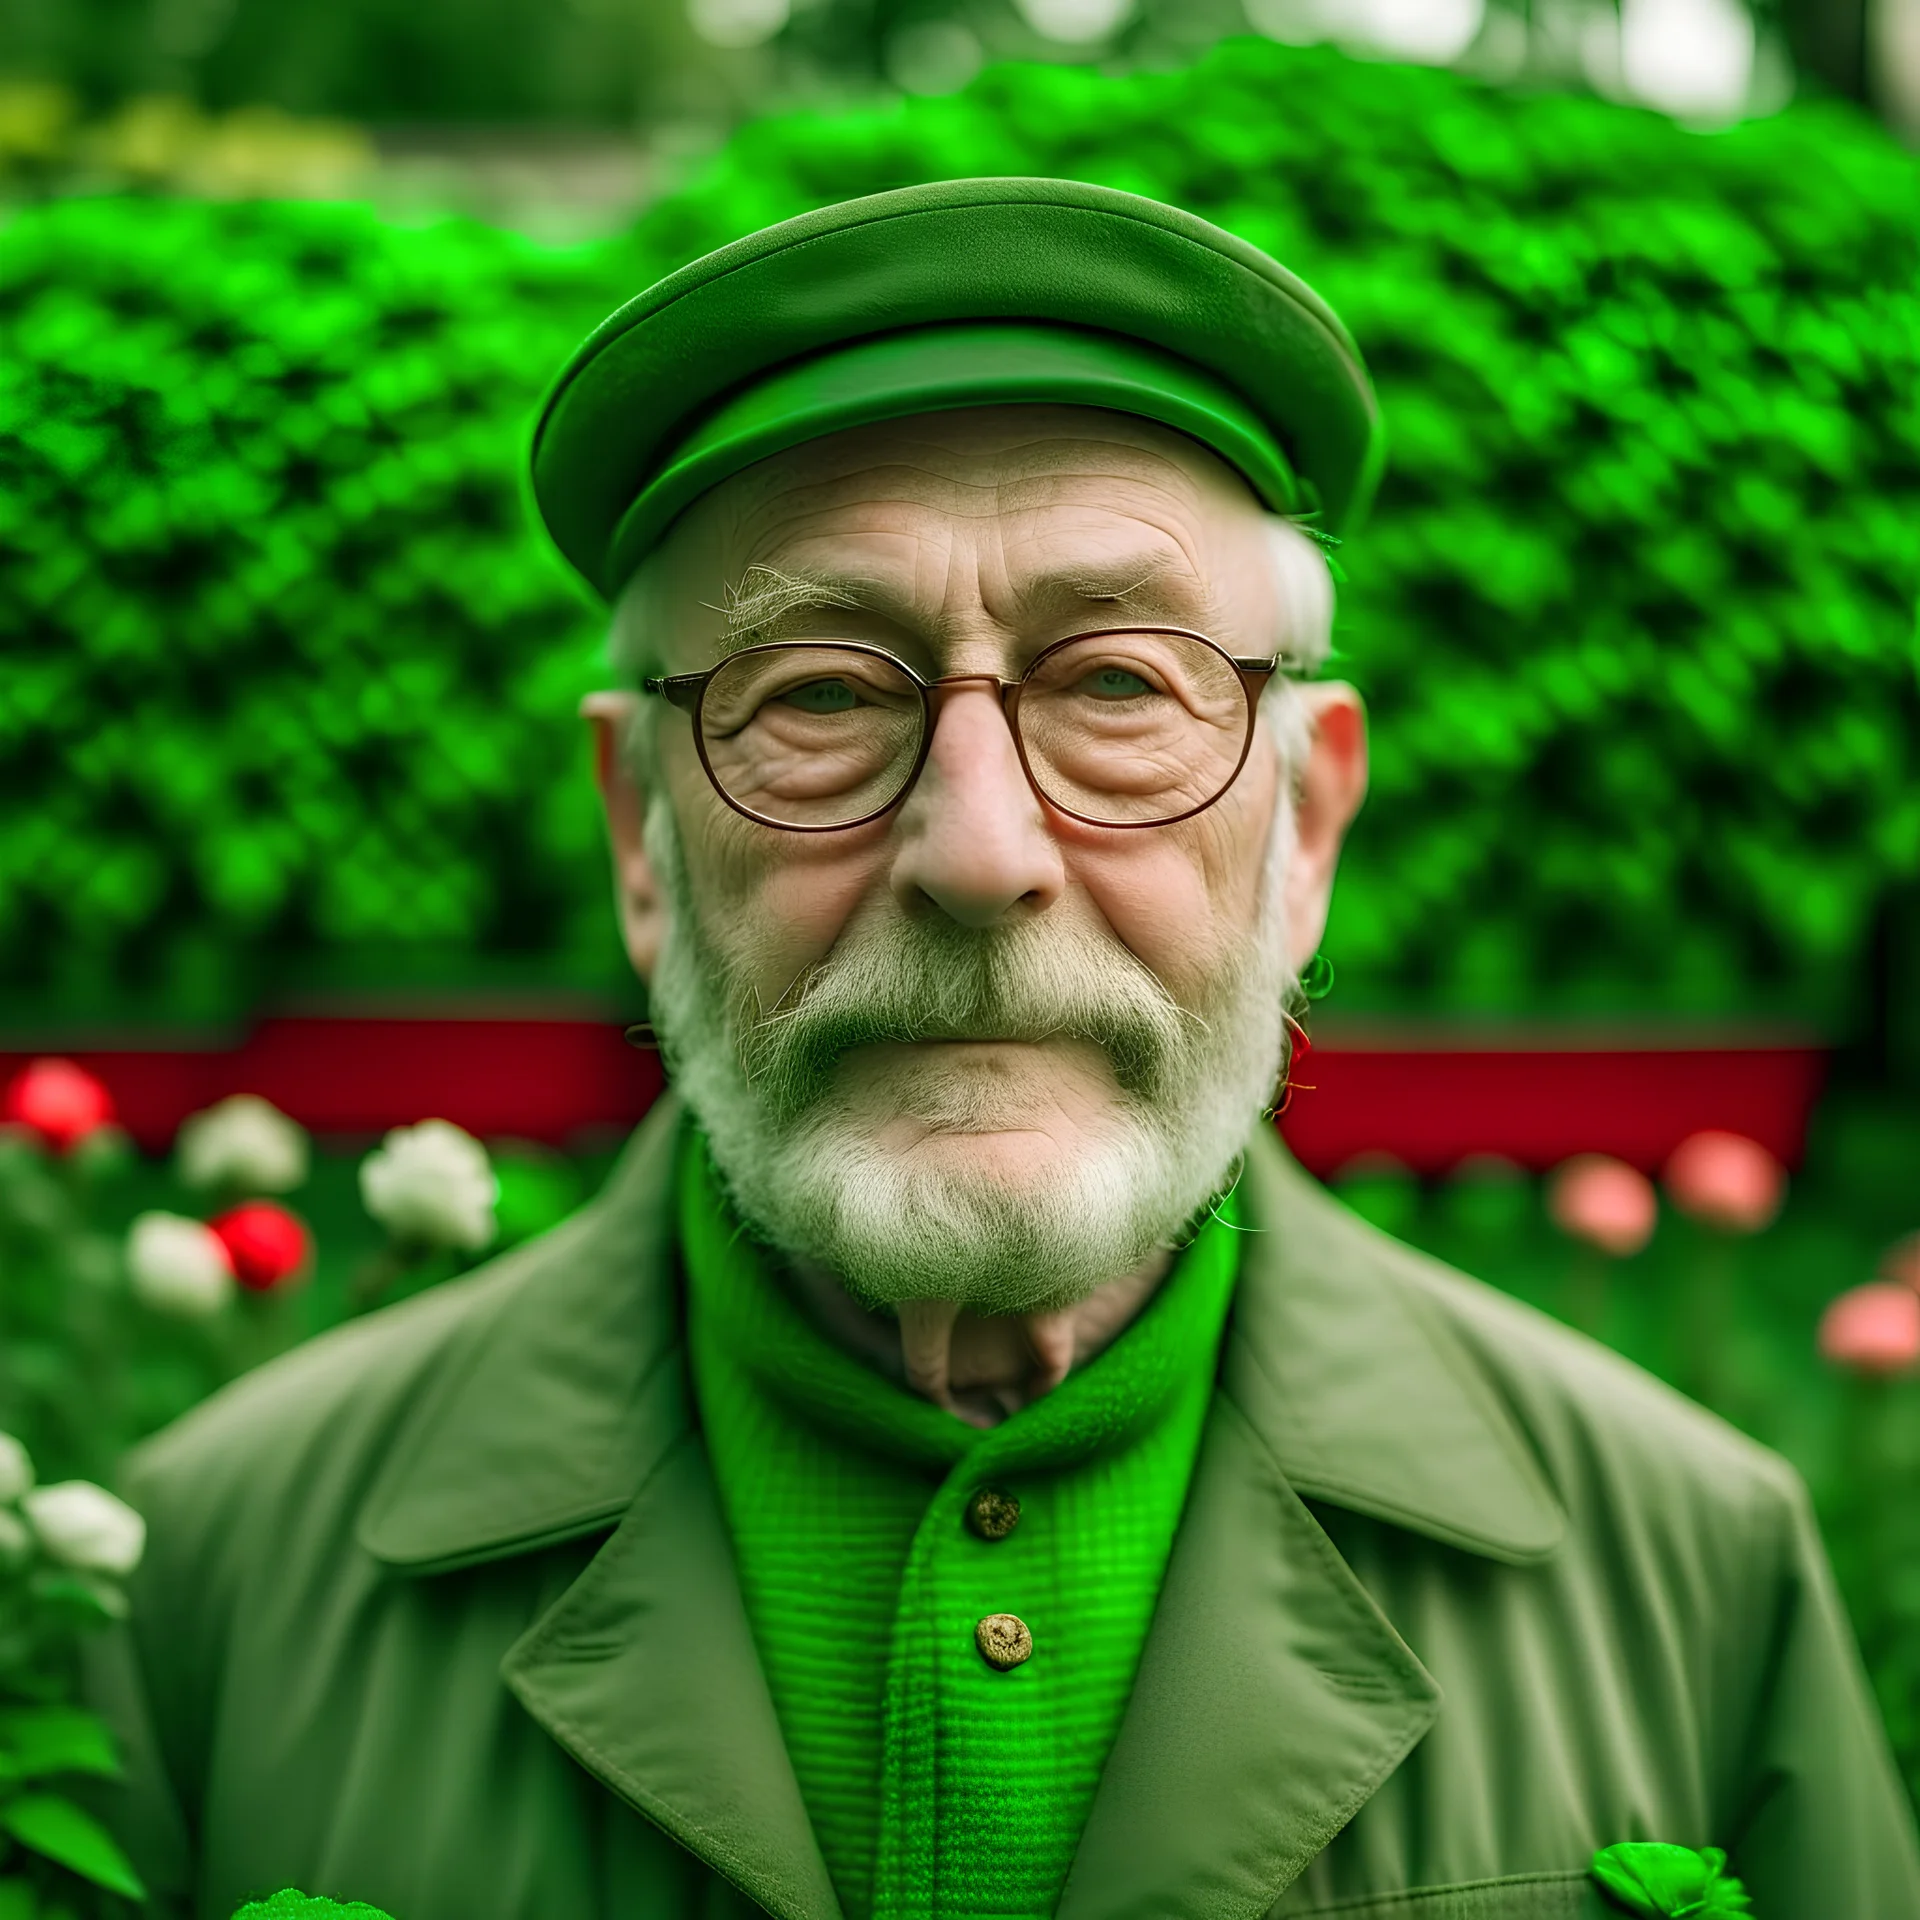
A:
<point x="974" y="836"/>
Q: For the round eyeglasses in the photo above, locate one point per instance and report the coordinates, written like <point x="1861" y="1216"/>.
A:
<point x="1137" y="727"/>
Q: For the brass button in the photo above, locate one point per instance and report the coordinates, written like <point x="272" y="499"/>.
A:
<point x="1003" y="1640"/>
<point x="992" y="1514"/>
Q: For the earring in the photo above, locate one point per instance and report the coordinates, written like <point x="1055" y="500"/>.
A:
<point x="1316" y="982"/>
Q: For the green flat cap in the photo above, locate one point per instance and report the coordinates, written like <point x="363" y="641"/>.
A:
<point x="954" y="294"/>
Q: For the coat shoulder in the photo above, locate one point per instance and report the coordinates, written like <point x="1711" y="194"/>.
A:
<point x="1604" y="1428"/>
<point x="342" y="1393"/>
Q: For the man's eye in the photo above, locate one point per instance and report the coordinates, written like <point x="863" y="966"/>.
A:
<point x="821" y="696"/>
<point x="1114" y="683"/>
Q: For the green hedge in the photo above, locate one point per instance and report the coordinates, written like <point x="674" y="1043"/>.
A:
<point x="289" y="680"/>
<point x="1636" y="611"/>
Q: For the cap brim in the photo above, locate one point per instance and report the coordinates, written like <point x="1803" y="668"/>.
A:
<point x="935" y="370"/>
<point x="636" y="398"/>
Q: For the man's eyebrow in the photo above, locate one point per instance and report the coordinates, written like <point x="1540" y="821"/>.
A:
<point x="764" y="601"/>
<point x="764" y="597"/>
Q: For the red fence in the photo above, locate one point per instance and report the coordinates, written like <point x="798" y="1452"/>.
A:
<point x="1429" y="1102"/>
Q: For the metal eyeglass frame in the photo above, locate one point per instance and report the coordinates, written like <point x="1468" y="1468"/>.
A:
<point x="688" y="692"/>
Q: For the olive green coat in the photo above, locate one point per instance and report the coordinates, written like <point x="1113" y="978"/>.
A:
<point x="439" y="1613"/>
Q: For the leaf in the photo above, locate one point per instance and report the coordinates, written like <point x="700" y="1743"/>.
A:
<point x="292" y="1905"/>
<point x="17" y="1901"/>
<point x="1655" y="1877"/>
<point x="37" y="1741"/>
<point x="74" y="1839"/>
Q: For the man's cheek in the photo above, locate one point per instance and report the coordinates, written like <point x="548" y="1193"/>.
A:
<point x="786" y="913"/>
<point x="1162" y="910"/>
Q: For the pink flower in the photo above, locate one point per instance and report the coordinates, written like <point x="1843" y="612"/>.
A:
<point x="1872" y="1329"/>
<point x="267" y="1244"/>
<point x="1901" y="1262"/>
<point x="61" y="1102"/>
<point x="1604" y="1202"/>
<point x="1726" y="1181"/>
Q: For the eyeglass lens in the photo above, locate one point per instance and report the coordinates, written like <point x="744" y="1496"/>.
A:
<point x="1127" y="729"/>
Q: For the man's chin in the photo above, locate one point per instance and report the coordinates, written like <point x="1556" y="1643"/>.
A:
<point x="1002" y="1160"/>
<point x="1005" y="1220"/>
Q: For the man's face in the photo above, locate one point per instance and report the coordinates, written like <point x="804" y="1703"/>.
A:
<point x="1008" y="1046"/>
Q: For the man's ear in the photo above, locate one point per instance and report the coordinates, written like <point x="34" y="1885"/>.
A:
<point x="1329" y="784"/>
<point x="636" y="887"/>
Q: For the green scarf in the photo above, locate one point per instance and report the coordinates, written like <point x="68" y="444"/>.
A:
<point x="939" y="1785"/>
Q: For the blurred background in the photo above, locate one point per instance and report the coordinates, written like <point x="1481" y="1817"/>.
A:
<point x="292" y="802"/>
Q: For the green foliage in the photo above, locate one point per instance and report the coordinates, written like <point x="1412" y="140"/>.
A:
<point x="53" y="1827"/>
<point x="1654" y="1877"/>
<point x="1635" y="612"/>
<point x="289" y="1905"/>
<point x="84" y="1369"/>
<point x="288" y="674"/>
<point x="56" y="1858"/>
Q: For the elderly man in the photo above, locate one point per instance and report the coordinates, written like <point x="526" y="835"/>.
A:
<point x="960" y="1467"/>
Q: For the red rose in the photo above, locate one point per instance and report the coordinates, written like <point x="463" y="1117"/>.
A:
<point x="61" y="1102"/>
<point x="268" y="1245"/>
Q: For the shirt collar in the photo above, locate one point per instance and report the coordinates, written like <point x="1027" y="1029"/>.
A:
<point x="568" y="1382"/>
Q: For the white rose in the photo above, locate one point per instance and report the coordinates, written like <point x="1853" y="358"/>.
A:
<point x="16" y="1468"/>
<point x="178" y="1266"/>
<point x="242" y="1142"/>
<point x="432" y="1182"/>
<point x="15" y="1541"/>
<point x="86" y="1528"/>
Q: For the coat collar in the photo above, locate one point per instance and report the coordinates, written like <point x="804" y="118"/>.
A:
<point x="568" y="1386"/>
<point x="1341" y="1357"/>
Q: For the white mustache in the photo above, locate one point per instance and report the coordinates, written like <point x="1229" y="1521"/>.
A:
<point x="916" y="980"/>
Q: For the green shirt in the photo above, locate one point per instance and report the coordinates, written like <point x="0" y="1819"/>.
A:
<point x="935" y="1783"/>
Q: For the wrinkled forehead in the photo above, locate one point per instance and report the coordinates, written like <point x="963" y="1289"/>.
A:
<point x="1031" y="501"/>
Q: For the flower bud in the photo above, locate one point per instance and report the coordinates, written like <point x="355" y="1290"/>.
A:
<point x="242" y="1143"/>
<point x="86" y="1528"/>
<point x="178" y="1266"/>
<point x="1603" y="1201"/>
<point x="431" y="1184"/>
<point x="61" y="1102"/>
<point x="1725" y="1181"/>
<point x="1872" y="1329"/>
<point x="266" y="1244"/>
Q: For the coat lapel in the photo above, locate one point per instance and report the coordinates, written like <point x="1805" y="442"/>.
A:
<point x="1273" y="1696"/>
<point x="645" y="1671"/>
<point x="567" y="1413"/>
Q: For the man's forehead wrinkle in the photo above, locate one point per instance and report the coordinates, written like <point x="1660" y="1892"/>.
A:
<point x="1026" y="532"/>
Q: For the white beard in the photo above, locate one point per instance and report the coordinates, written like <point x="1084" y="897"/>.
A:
<point x="809" y="1177"/>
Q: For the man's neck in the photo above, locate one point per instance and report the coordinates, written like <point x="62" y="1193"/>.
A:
<point x="982" y="1367"/>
